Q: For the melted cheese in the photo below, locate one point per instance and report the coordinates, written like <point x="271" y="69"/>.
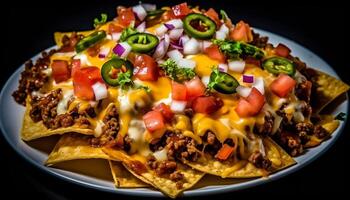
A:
<point x="160" y="89"/>
<point x="204" y="64"/>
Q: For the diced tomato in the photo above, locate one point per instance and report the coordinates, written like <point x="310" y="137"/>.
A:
<point x="60" y="70"/>
<point x="212" y="14"/>
<point x="165" y="110"/>
<point x="206" y="104"/>
<point x="146" y="68"/>
<point x="282" y="50"/>
<point x="83" y="79"/>
<point x="114" y="28"/>
<point x="181" y="10"/>
<point x="75" y="65"/>
<point x="251" y="105"/>
<point x="283" y="85"/>
<point x="214" y="52"/>
<point x="241" y="32"/>
<point x="125" y="16"/>
<point x="179" y="91"/>
<point x="244" y="108"/>
<point x="256" y="100"/>
<point x="225" y="152"/>
<point x="153" y="121"/>
<point x="195" y="88"/>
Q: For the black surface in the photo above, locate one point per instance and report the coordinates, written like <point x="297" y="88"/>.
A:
<point x="29" y="29"/>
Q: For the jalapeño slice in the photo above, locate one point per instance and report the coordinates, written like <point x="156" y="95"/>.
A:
<point x="223" y="82"/>
<point x="199" y="26"/>
<point x="279" y="65"/>
<point x="90" y="40"/>
<point x="111" y="68"/>
<point x="142" y="42"/>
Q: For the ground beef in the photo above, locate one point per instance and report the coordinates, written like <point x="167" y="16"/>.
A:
<point x="68" y="43"/>
<point x="165" y="168"/>
<point x="45" y="108"/>
<point x="303" y="90"/>
<point x="212" y="144"/>
<point x="181" y="147"/>
<point x="300" y="65"/>
<point x="320" y="132"/>
<point x="266" y="127"/>
<point x="259" y="160"/>
<point x="189" y="112"/>
<point x="290" y="142"/>
<point x="32" y="78"/>
<point x="110" y="129"/>
<point x="304" y="130"/>
<point x="259" y="41"/>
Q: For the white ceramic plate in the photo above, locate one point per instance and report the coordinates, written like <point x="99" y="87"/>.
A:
<point x="11" y="118"/>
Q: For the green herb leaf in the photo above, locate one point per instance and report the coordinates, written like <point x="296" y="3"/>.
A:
<point x="341" y="116"/>
<point x="124" y="80"/>
<point x="235" y="50"/>
<point x="175" y="72"/>
<point x="103" y="20"/>
<point x="224" y="15"/>
<point x="130" y="30"/>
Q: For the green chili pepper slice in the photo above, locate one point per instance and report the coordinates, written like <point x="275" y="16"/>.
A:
<point x="155" y="13"/>
<point x="142" y="42"/>
<point x="199" y="26"/>
<point x="279" y="65"/>
<point x="90" y="40"/>
<point x="223" y="82"/>
<point x="253" y="51"/>
<point x="111" y="68"/>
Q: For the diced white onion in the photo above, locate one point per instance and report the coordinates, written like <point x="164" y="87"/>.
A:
<point x="178" y="106"/>
<point x="176" y="55"/>
<point x="236" y="65"/>
<point x="191" y="47"/>
<point x="243" y="91"/>
<point x="47" y="71"/>
<point x="140" y="12"/>
<point x="104" y="51"/>
<point x="187" y="63"/>
<point x="298" y="116"/>
<point x="220" y="35"/>
<point x="224" y="29"/>
<point x="205" y="44"/>
<point x="184" y="39"/>
<point x="177" y="23"/>
<point x="100" y="91"/>
<point x="122" y="49"/>
<point x="149" y="7"/>
<point x="175" y="33"/>
<point x="141" y="27"/>
<point x="161" y="155"/>
<point x="161" y="30"/>
<point x="205" y="80"/>
<point x="259" y="84"/>
<point x="116" y="36"/>
<point x="276" y="123"/>
<point x="223" y="67"/>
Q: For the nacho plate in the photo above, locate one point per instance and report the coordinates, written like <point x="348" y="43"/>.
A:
<point x="289" y="169"/>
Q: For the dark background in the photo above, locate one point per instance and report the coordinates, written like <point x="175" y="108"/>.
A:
<point x="29" y="27"/>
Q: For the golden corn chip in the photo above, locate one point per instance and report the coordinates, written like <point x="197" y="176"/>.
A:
<point x="123" y="178"/>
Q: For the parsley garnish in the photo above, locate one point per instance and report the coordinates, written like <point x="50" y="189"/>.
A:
<point x="130" y="30"/>
<point x="175" y="72"/>
<point x="103" y="20"/>
<point x="218" y="79"/>
<point x="341" y="116"/>
<point x="144" y="87"/>
<point x="124" y="79"/>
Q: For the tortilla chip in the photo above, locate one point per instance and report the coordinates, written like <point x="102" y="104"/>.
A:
<point x="244" y="169"/>
<point x="72" y="147"/>
<point x="123" y="178"/>
<point x="327" y="122"/>
<point x="165" y="185"/>
<point x="32" y="130"/>
<point x="59" y="35"/>
<point x="326" y="88"/>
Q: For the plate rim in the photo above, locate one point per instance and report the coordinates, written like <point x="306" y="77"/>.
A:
<point x="188" y="193"/>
